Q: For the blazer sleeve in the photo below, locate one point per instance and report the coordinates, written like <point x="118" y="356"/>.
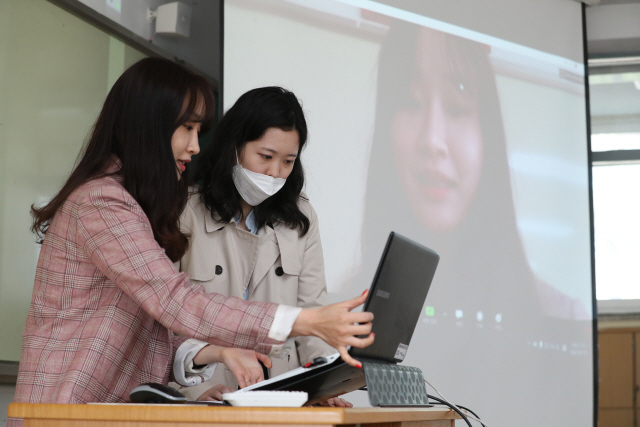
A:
<point x="115" y="235"/>
<point x="312" y="289"/>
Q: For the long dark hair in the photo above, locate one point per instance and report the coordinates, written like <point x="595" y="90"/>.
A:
<point x="142" y="111"/>
<point x="491" y="216"/>
<point x="247" y="120"/>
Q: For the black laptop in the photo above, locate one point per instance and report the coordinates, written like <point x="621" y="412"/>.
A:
<point x="396" y="298"/>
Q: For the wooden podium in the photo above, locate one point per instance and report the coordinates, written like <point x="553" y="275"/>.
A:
<point x="137" y="415"/>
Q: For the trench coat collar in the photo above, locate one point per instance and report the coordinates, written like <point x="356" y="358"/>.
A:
<point x="211" y="224"/>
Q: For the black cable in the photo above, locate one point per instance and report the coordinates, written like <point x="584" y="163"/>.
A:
<point x="472" y="413"/>
<point x="444" y="402"/>
<point x="462" y="407"/>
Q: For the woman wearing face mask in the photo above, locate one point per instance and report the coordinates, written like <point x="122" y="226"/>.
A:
<point x="107" y="297"/>
<point x="254" y="235"/>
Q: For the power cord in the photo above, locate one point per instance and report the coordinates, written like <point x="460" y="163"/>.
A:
<point x="472" y="413"/>
<point x="444" y="401"/>
<point x="452" y="406"/>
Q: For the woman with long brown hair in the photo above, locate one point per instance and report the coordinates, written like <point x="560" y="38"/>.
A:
<point x="107" y="299"/>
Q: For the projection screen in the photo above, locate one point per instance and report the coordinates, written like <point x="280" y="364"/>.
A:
<point x="469" y="136"/>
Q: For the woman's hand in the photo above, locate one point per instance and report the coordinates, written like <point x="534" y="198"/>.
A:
<point x="244" y="364"/>
<point x="215" y="393"/>
<point x="336" y="402"/>
<point x="337" y="326"/>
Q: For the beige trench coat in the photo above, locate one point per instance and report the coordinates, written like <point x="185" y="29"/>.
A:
<point x="277" y="265"/>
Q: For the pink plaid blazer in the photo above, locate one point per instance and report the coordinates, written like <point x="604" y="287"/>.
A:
<point x="105" y="300"/>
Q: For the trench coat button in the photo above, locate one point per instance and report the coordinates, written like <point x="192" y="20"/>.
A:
<point x="279" y="271"/>
<point x="218" y="270"/>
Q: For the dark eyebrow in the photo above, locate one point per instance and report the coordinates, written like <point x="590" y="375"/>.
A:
<point x="271" y="150"/>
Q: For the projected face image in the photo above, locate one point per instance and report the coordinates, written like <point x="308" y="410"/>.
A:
<point x="436" y="136"/>
<point x="440" y="159"/>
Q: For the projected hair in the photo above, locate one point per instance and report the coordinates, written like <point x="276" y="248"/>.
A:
<point x="492" y="209"/>
<point x="247" y="120"/>
<point x="139" y="116"/>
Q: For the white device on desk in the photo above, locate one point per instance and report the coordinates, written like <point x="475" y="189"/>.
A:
<point x="290" y="399"/>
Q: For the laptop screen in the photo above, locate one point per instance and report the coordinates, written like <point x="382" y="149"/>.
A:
<point x="396" y="297"/>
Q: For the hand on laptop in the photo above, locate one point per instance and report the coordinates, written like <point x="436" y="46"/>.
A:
<point x="244" y="364"/>
<point x="337" y="326"/>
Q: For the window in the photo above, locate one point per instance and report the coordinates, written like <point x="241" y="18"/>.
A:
<point x="615" y="145"/>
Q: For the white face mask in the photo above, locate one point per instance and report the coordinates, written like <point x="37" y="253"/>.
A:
<point x="255" y="187"/>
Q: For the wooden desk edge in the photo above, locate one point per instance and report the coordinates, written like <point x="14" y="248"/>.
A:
<point x="238" y="415"/>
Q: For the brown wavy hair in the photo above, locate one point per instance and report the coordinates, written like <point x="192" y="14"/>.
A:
<point x="142" y="111"/>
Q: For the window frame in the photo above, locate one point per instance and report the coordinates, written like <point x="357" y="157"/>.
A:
<point x="613" y="158"/>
